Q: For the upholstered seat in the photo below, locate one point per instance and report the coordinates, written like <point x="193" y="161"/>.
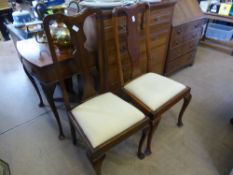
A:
<point x="105" y="116"/>
<point x="154" y="90"/>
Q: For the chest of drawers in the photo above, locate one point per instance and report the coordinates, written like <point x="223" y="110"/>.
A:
<point x="185" y="35"/>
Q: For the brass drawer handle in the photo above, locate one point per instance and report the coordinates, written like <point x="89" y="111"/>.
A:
<point x="157" y="19"/>
<point x="122" y="27"/>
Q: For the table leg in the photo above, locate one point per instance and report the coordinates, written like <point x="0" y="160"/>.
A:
<point x="41" y="104"/>
<point x="49" y="91"/>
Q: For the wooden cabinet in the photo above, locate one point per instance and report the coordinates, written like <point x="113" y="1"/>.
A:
<point x="185" y="35"/>
<point x="160" y="33"/>
<point x="160" y="28"/>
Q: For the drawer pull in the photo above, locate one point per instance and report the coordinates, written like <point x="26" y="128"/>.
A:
<point x="196" y="26"/>
<point x="122" y="27"/>
<point x="157" y="19"/>
<point x="178" y="31"/>
<point x="175" y="43"/>
<point x="123" y="49"/>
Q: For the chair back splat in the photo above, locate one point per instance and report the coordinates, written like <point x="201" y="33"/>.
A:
<point x="81" y="53"/>
<point x="137" y="22"/>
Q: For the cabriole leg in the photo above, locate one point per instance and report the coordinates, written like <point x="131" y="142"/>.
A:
<point x="97" y="163"/>
<point x="140" y="154"/>
<point x="187" y="100"/>
<point x="154" y="126"/>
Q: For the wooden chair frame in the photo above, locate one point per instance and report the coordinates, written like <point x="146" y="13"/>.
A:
<point x="81" y="54"/>
<point x="133" y="44"/>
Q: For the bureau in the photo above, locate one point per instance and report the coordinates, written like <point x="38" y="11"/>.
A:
<point x="187" y="24"/>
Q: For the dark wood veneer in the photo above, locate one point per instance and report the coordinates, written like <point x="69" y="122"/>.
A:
<point x="185" y="35"/>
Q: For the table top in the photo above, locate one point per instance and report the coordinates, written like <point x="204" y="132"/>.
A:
<point x="19" y="33"/>
<point x="38" y="54"/>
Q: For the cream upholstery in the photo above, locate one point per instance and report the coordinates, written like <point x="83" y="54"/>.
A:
<point x="154" y="90"/>
<point x="105" y="116"/>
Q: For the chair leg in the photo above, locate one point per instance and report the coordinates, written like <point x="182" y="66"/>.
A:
<point x="97" y="163"/>
<point x="73" y="133"/>
<point x="187" y="100"/>
<point x="154" y="126"/>
<point x="140" y="154"/>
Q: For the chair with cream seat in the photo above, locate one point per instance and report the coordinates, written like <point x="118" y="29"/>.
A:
<point x="151" y="93"/>
<point x="102" y="119"/>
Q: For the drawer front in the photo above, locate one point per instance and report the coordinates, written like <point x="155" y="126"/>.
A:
<point x="182" y="30"/>
<point x="161" y="16"/>
<point x="181" y="62"/>
<point x="157" y="62"/>
<point x="160" y="19"/>
<point x="156" y="40"/>
<point x="159" y="38"/>
<point x="195" y="25"/>
<point x="192" y="35"/>
<point x="182" y="49"/>
<point x="178" y="32"/>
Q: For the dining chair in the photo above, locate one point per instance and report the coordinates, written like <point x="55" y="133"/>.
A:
<point x="151" y="93"/>
<point x="102" y="119"/>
